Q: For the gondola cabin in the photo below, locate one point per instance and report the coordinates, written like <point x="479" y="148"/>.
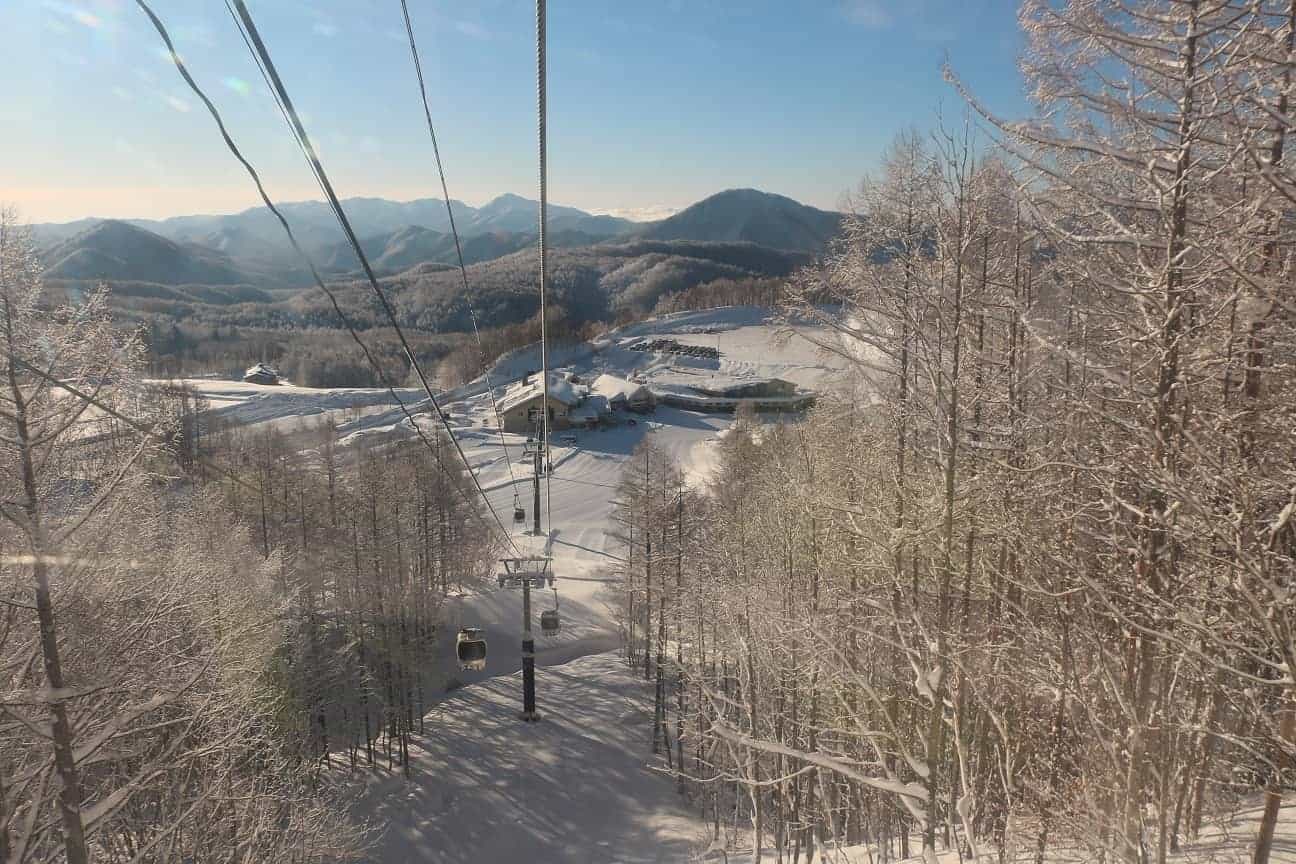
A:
<point x="470" y="648"/>
<point x="549" y="622"/>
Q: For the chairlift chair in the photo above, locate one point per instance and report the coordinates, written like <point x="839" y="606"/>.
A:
<point x="549" y="620"/>
<point x="470" y="648"/>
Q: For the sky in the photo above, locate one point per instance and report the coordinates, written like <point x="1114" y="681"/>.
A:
<point x="653" y="104"/>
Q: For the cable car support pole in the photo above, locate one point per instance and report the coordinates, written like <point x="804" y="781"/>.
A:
<point x="528" y="658"/>
<point x="542" y="111"/>
<point x="541" y="457"/>
<point x="528" y="640"/>
<point x="535" y="510"/>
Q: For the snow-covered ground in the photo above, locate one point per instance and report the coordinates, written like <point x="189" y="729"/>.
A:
<point x="1231" y="841"/>
<point x="576" y="787"/>
<point x="288" y="407"/>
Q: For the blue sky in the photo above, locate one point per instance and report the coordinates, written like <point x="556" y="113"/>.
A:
<point x="653" y="104"/>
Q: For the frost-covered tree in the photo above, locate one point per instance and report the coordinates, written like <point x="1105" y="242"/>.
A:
<point x="1022" y="584"/>
<point x="135" y="720"/>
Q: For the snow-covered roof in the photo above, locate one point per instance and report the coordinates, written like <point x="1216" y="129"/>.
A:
<point x="560" y="390"/>
<point x="261" y="369"/>
<point x="611" y="386"/>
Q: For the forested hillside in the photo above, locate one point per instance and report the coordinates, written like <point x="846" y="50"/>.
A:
<point x="245" y="296"/>
<point x="167" y="644"/>
<point x="115" y="250"/>
<point x="250" y="247"/>
<point x="222" y="329"/>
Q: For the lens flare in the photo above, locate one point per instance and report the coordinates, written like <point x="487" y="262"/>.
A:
<point x="238" y="85"/>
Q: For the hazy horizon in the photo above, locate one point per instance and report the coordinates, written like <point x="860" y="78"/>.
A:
<point x="650" y="108"/>
<point x="633" y="214"/>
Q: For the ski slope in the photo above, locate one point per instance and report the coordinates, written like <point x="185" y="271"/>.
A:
<point x="577" y="786"/>
<point x="578" y="518"/>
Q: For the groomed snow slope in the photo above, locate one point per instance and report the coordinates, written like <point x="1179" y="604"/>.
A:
<point x="575" y="787"/>
<point x="581" y="491"/>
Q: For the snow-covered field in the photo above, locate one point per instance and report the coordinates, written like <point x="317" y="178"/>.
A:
<point x="287" y="406"/>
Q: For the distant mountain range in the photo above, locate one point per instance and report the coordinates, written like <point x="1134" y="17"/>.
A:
<point x="188" y="267"/>
<point x="413" y="245"/>
<point x="250" y="247"/>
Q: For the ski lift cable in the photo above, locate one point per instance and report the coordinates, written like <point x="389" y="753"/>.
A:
<point x="265" y="198"/>
<point x="319" y="281"/>
<point x="308" y="151"/>
<point x="454" y="231"/>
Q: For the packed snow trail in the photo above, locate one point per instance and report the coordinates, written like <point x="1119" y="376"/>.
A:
<point x="586" y="557"/>
<point x="574" y="787"/>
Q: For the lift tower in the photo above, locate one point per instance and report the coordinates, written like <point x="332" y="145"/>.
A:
<point x="528" y="641"/>
<point x="527" y="573"/>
